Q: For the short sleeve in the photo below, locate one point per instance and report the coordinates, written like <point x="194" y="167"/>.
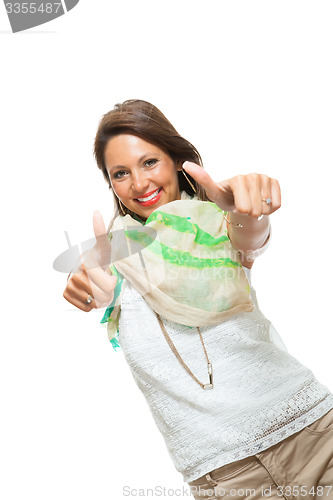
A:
<point x="275" y="338"/>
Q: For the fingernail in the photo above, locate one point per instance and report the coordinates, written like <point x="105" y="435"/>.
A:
<point x="235" y="211"/>
<point x="186" y="164"/>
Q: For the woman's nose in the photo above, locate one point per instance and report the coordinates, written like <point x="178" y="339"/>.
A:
<point x="139" y="182"/>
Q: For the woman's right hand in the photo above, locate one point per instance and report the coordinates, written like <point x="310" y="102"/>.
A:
<point x="93" y="275"/>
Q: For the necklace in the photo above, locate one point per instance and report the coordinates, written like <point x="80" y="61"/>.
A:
<point x="176" y="353"/>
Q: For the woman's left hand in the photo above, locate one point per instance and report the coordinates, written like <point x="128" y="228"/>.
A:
<point x="243" y="194"/>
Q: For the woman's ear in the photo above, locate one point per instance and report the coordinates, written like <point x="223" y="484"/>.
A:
<point x="179" y="165"/>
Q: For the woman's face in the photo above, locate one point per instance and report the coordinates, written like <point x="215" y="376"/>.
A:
<point x="142" y="175"/>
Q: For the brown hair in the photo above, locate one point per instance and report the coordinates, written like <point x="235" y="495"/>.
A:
<point x="144" y="120"/>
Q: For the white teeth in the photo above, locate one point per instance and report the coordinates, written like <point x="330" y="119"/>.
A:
<point x="149" y="197"/>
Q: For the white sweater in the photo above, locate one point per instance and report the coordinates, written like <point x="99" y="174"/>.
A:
<point x="261" y="393"/>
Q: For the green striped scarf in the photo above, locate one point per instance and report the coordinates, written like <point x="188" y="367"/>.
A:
<point x="189" y="273"/>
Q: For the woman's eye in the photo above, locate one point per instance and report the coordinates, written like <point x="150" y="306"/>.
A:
<point x="118" y="175"/>
<point x="150" y="163"/>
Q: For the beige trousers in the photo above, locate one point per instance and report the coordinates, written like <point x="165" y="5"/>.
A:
<point x="300" y="466"/>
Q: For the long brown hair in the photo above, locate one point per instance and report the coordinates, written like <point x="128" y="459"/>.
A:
<point x="144" y="120"/>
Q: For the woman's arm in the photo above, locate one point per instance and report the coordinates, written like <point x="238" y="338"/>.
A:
<point x="244" y="198"/>
<point x="251" y="239"/>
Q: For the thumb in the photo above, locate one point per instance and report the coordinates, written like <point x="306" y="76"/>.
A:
<point x="98" y="224"/>
<point x="202" y="178"/>
<point x="102" y="246"/>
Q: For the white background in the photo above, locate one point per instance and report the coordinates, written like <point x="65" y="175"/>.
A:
<point x="250" y="84"/>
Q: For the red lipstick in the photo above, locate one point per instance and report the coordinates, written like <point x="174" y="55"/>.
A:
<point x="154" y="200"/>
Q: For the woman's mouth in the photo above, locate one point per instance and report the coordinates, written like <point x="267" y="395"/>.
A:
<point x="151" y="199"/>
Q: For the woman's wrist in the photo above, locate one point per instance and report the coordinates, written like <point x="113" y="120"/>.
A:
<point x="246" y="220"/>
<point x="246" y="232"/>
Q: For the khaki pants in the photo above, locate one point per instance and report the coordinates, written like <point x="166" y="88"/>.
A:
<point x="300" y="466"/>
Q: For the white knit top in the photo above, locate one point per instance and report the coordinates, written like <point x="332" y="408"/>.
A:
<point x="261" y="393"/>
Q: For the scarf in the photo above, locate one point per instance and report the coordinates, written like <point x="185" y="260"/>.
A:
<point x="184" y="265"/>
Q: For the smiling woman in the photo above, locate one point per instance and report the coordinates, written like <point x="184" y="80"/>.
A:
<point x="142" y="175"/>
<point x="236" y="410"/>
<point x="154" y="145"/>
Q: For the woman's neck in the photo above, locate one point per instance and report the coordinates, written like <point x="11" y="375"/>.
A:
<point x="138" y="218"/>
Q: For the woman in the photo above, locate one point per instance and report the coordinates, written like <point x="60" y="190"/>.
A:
<point x="265" y="426"/>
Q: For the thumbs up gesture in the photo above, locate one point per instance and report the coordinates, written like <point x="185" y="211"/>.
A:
<point x="91" y="285"/>
<point x="245" y="194"/>
<point x="100" y="255"/>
